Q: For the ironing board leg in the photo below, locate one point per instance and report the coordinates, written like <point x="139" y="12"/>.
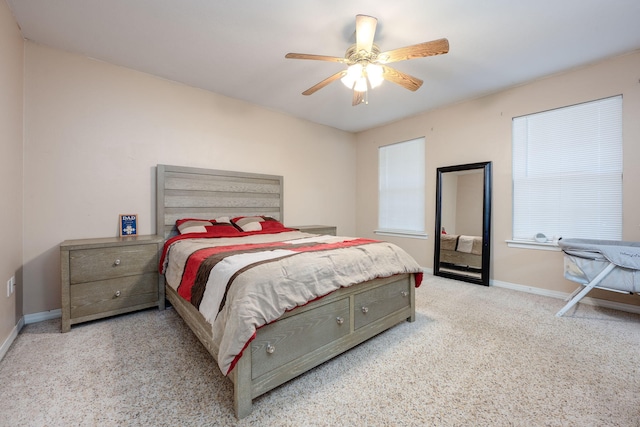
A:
<point x="586" y="289"/>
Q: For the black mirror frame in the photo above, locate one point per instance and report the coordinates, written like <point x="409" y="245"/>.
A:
<point x="486" y="224"/>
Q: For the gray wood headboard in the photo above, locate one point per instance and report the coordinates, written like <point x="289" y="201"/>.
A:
<point x="185" y="192"/>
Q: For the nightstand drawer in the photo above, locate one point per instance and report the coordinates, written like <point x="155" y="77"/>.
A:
<point x="379" y="302"/>
<point x="113" y="295"/>
<point x="87" y="265"/>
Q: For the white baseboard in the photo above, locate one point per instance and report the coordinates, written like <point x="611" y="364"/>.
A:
<point x="12" y="336"/>
<point x="43" y="315"/>
<point x="25" y="320"/>
<point x="529" y="289"/>
<point x="563" y="295"/>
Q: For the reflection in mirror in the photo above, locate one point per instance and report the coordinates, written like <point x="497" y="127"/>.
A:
<point x="463" y="213"/>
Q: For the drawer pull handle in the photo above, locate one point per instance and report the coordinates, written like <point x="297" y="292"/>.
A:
<point x="270" y="349"/>
<point x="404" y="294"/>
<point x="117" y="294"/>
<point x="365" y="310"/>
<point x="116" y="262"/>
<point x="340" y="320"/>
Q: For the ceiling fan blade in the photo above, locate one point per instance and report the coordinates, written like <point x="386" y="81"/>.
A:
<point x="365" y="31"/>
<point x="398" y="77"/>
<point x="325" y="82"/>
<point x="358" y="98"/>
<point x="314" y="57"/>
<point x="435" y="47"/>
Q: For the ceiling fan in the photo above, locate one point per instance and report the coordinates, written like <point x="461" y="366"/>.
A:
<point x="367" y="65"/>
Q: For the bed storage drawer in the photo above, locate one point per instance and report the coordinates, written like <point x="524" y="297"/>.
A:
<point x="289" y="338"/>
<point x="379" y="302"/>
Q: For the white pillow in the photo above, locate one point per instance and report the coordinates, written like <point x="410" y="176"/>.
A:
<point x="251" y="226"/>
<point x="193" y="227"/>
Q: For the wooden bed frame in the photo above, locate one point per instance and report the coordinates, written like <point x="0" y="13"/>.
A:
<point x="301" y="339"/>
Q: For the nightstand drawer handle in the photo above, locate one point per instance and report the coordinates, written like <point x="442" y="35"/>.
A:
<point x="404" y="294"/>
<point x="116" y="262"/>
<point x="270" y="349"/>
<point x="340" y="320"/>
<point x="365" y="310"/>
<point x="117" y="294"/>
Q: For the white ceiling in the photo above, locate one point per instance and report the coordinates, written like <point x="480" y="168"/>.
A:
<point x="237" y="48"/>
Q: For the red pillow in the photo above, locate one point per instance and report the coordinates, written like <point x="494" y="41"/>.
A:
<point x="221" y="229"/>
<point x="183" y="220"/>
<point x="272" y="224"/>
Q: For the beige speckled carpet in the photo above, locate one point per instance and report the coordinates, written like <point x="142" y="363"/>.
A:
<point x="475" y="356"/>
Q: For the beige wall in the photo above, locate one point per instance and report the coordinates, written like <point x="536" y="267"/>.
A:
<point x="11" y="75"/>
<point x="480" y="130"/>
<point x="94" y="133"/>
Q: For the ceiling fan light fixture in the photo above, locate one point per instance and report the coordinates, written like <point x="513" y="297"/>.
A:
<point x="354" y="73"/>
<point x="361" y="84"/>
<point x="374" y="73"/>
<point x="357" y="76"/>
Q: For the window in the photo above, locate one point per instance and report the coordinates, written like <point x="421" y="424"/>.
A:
<point x="401" y="189"/>
<point x="567" y="172"/>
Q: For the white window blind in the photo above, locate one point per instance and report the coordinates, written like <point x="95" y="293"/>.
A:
<point x="567" y="172"/>
<point x="402" y="187"/>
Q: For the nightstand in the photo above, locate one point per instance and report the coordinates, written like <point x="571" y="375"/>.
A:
<point x="317" y="229"/>
<point x="109" y="276"/>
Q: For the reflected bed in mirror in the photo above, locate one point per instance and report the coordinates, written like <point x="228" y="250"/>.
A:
<point x="463" y="222"/>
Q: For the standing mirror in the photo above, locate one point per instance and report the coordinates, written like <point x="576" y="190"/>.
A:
<point x="463" y="223"/>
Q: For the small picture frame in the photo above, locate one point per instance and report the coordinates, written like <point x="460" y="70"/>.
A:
<point x="128" y="225"/>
